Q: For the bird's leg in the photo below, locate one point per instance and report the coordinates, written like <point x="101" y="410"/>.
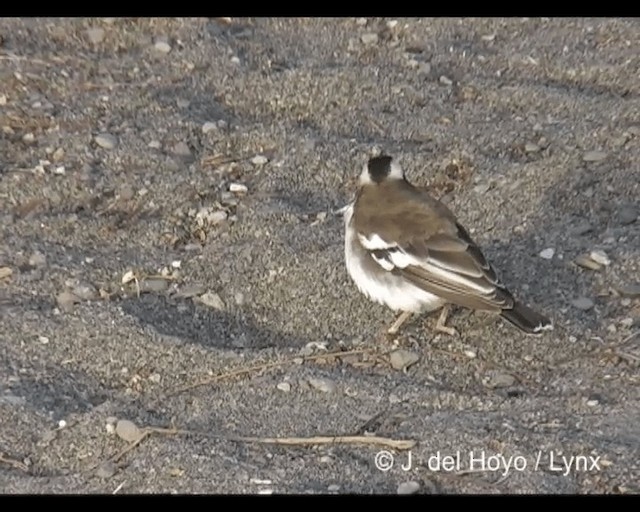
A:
<point x="442" y="320"/>
<point x="404" y="316"/>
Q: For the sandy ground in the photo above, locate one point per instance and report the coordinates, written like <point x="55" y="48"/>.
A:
<point x="129" y="272"/>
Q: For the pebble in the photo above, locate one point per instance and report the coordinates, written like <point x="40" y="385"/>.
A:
<point x="239" y="298"/>
<point x="183" y="103"/>
<point x="586" y="262"/>
<point x="530" y="147"/>
<point x="95" y="35"/>
<point x="410" y="487"/>
<point x="284" y="386"/>
<point x="155" y="144"/>
<point x="209" y="127"/>
<point x="402" y="359"/>
<point x="583" y="303"/>
<point x="212" y="300"/>
<point x="66" y="301"/>
<point x="333" y="488"/>
<point x="128" y="431"/>
<point x="106" y="141"/>
<point x="548" y="253"/>
<point x="361" y="22"/>
<point x="259" y="160"/>
<point x="444" y="80"/>
<point x="424" y="68"/>
<point x="106" y="470"/>
<point x="162" y="46"/>
<point x="5" y="272"/>
<point x="629" y="290"/>
<point x="238" y="188"/>
<point x="600" y="257"/>
<point x="322" y="384"/>
<point x="582" y="228"/>
<point x="369" y="38"/>
<point x="627" y="215"/>
<point x="496" y="379"/>
<point x="181" y="149"/>
<point x="191" y="290"/>
<point x="153" y="285"/>
<point x="37" y="259"/>
<point x="85" y="291"/>
<point x="594" y="156"/>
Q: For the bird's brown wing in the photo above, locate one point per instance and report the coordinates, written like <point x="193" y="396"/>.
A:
<point x="412" y="234"/>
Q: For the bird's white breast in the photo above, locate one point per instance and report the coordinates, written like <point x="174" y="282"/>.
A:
<point x="378" y="284"/>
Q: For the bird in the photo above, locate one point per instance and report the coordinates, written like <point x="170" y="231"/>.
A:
<point x="406" y="250"/>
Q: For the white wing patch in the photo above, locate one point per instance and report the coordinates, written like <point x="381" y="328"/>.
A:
<point x="394" y="257"/>
<point x="374" y="242"/>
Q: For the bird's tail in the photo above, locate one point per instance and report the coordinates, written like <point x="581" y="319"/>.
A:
<point x="526" y="319"/>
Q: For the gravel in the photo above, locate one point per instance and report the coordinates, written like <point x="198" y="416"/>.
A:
<point x="316" y="101"/>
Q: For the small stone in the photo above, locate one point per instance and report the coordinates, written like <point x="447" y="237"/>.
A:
<point x="402" y="359"/>
<point x="5" y="272"/>
<point x="361" y="22"/>
<point x="322" y="384"/>
<point x="153" y="285"/>
<point x="181" y="149"/>
<point x="28" y="138"/>
<point x="284" y="386"/>
<point x="43" y="339"/>
<point x="162" y="46"/>
<point x="128" y="431"/>
<point x="530" y="147"/>
<point x="37" y="259"/>
<point x="593" y="402"/>
<point x="497" y="379"/>
<point x="106" y="470"/>
<point x="95" y="35"/>
<point x="583" y="303"/>
<point x="235" y="60"/>
<point x="212" y="300"/>
<point x="582" y="229"/>
<point x="155" y="144"/>
<point x="471" y="354"/>
<point x="488" y="37"/>
<point x="85" y="291"/>
<point x="183" y="103"/>
<point x="191" y="290"/>
<point x="627" y="215"/>
<point x="59" y="170"/>
<point x="600" y="257"/>
<point x="424" y="68"/>
<point x="612" y="329"/>
<point x="155" y="378"/>
<point x="62" y="424"/>
<point x="128" y="277"/>
<point x="626" y="322"/>
<point x="106" y="141"/>
<point x="594" y="156"/>
<point x="259" y="160"/>
<point x="444" y="80"/>
<point x="410" y="487"/>
<point x="369" y="38"/>
<point x="239" y="298"/>
<point x="548" y="253"/>
<point x="629" y="290"/>
<point x="587" y="262"/>
<point x="333" y="488"/>
<point x="209" y="127"/>
<point x="3" y="100"/>
<point x="66" y="301"/>
<point x="238" y="188"/>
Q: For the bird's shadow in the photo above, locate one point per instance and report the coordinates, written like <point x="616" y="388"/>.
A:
<point x="185" y="320"/>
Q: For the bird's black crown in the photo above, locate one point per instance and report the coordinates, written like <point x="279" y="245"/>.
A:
<point x="379" y="168"/>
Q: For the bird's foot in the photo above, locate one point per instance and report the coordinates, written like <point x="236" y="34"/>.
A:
<point x="393" y="330"/>
<point x="441" y="323"/>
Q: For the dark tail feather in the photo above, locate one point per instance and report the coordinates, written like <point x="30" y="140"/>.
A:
<point x="526" y="319"/>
